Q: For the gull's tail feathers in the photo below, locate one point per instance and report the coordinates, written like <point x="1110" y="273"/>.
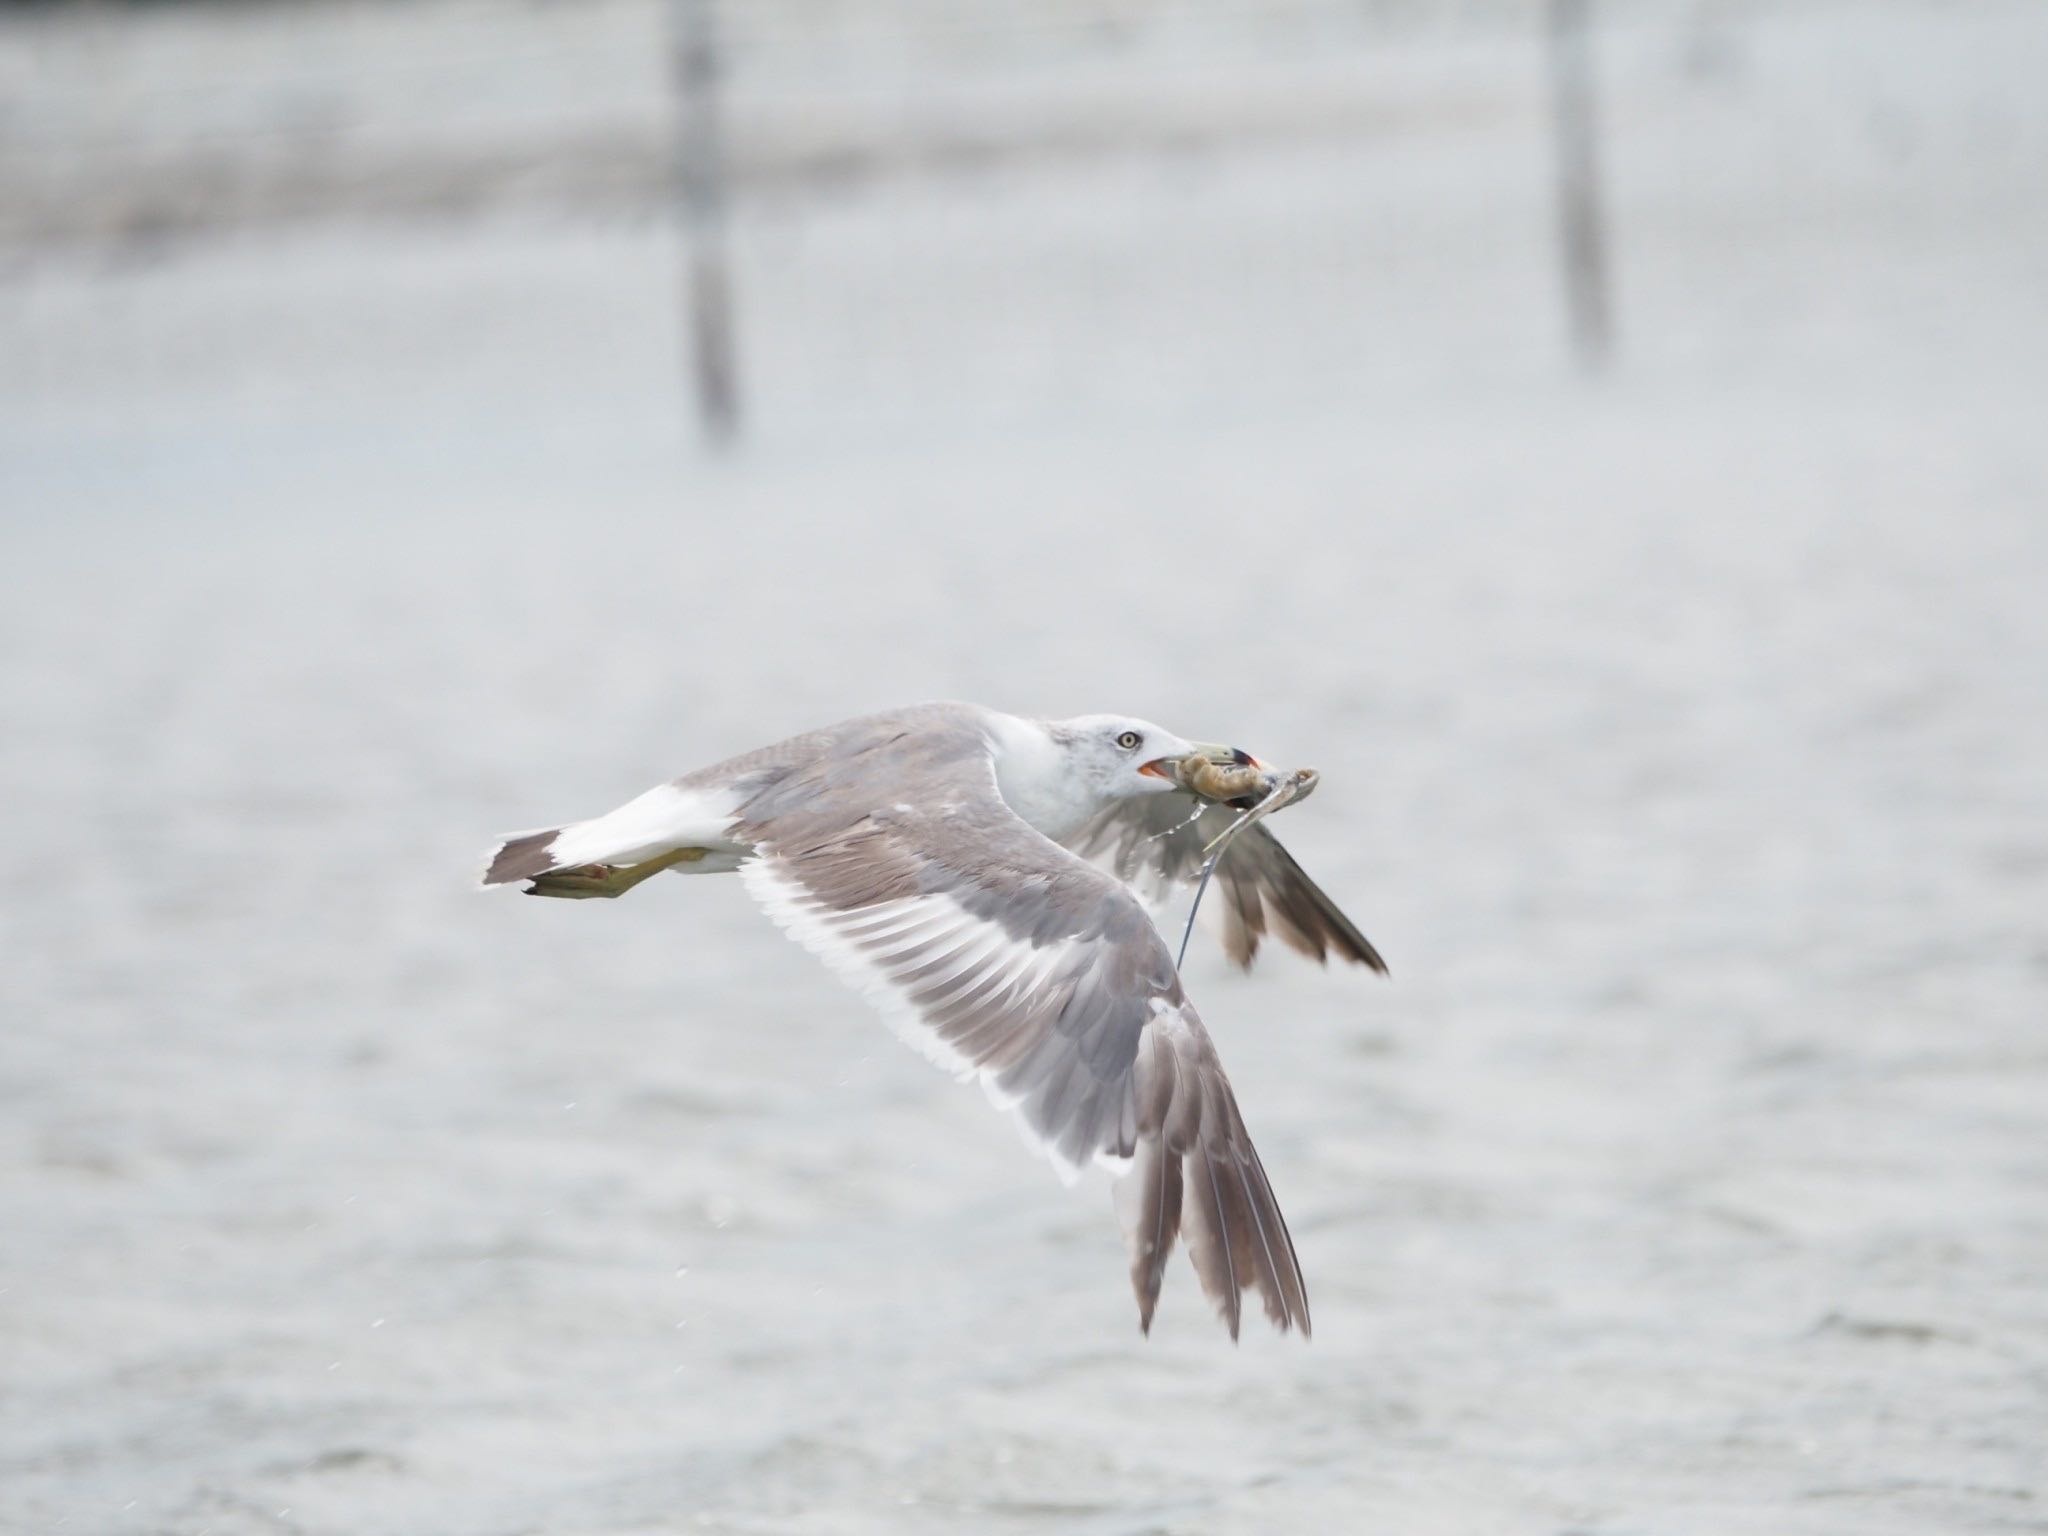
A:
<point x="668" y="827"/>
<point x="523" y="856"/>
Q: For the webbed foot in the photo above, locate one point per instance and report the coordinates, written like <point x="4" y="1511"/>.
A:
<point x="585" y="881"/>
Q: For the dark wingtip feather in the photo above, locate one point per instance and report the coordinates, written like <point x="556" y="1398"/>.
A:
<point x="1369" y="957"/>
<point x="1154" y="1225"/>
<point x="1319" y="920"/>
<point x="1197" y="1176"/>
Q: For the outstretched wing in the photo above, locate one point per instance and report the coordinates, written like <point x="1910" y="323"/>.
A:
<point x="1006" y="959"/>
<point x="1156" y="842"/>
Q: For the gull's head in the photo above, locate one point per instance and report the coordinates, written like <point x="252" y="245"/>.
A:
<point x="1118" y="756"/>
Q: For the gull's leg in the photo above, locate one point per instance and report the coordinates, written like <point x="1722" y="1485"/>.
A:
<point x="588" y="880"/>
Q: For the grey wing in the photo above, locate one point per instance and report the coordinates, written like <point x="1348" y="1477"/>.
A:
<point x="1156" y="842"/>
<point x="1006" y="959"/>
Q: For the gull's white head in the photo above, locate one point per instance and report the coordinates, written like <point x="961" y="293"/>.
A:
<point x="1117" y="756"/>
<point x="1060" y="774"/>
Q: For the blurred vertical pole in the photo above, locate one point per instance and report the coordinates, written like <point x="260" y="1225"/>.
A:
<point x="1581" y="227"/>
<point x="700" y="181"/>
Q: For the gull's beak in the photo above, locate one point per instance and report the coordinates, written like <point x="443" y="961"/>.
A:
<point x="1168" y="767"/>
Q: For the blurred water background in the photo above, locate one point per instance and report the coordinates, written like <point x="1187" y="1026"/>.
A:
<point x="1684" y="723"/>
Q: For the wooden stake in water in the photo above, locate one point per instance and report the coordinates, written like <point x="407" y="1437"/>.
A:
<point x="1581" y="228"/>
<point x="700" y="181"/>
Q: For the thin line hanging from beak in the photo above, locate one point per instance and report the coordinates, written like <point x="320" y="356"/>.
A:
<point x="1208" y="869"/>
<point x="1216" y="850"/>
<point x="1284" y="791"/>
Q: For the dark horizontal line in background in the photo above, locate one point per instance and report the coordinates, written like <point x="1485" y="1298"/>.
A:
<point x="154" y="191"/>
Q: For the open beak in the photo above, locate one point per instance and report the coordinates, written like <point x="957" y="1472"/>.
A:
<point x="1168" y="768"/>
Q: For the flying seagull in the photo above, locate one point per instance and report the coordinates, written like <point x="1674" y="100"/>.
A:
<point x="938" y="858"/>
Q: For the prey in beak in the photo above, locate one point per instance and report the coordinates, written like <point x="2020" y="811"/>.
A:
<point x="1175" y="769"/>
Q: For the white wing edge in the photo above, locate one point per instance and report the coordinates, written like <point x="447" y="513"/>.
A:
<point x="908" y="920"/>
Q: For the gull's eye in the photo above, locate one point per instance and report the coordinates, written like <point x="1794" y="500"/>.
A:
<point x="1129" y="741"/>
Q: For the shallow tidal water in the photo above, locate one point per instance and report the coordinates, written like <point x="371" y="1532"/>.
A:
<point x="1683" y="745"/>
